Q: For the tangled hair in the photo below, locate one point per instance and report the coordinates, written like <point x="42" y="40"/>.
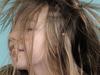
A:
<point x="73" y="46"/>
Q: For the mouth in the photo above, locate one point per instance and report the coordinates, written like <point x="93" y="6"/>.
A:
<point x="21" y="50"/>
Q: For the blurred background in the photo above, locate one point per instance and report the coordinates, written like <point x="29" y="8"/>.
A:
<point x="4" y="51"/>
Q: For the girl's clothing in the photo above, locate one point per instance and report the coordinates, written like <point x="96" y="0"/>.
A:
<point x="8" y="70"/>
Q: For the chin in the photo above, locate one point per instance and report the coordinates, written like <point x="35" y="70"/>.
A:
<point x="21" y="63"/>
<point x="21" y="66"/>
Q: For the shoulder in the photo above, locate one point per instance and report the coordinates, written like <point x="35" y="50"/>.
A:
<point x="6" y="70"/>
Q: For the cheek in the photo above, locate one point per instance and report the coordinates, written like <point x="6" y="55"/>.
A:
<point x="28" y="42"/>
<point x="39" y="41"/>
<point x="13" y="51"/>
<point x="18" y="58"/>
<point x="14" y="55"/>
<point x="36" y="46"/>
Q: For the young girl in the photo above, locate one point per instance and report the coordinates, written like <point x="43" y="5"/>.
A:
<point x="52" y="37"/>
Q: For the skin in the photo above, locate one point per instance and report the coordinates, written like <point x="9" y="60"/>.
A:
<point x="34" y="44"/>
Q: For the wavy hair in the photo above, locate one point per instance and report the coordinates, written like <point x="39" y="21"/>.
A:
<point x="73" y="46"/>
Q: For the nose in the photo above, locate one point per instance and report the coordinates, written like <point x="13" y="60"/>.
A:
<point x="21" y="47"/>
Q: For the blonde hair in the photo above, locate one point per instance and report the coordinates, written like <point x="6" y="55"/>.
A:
<point x="73" y="46"/>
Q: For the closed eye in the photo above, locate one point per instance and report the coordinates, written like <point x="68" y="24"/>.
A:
<point x="29" y="29"/>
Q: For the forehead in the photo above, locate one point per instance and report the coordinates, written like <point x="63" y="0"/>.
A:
<point x="36" y="19"/>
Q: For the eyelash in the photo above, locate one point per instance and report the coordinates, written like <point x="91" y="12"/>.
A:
<point x="29" y="29"/>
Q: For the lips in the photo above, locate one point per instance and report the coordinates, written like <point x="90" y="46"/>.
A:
<point x="21" y="50"/>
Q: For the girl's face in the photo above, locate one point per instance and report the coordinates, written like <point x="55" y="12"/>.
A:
<point x="31" y="42"/>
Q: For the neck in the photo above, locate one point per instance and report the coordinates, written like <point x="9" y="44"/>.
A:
<point x="40" y="69"/>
